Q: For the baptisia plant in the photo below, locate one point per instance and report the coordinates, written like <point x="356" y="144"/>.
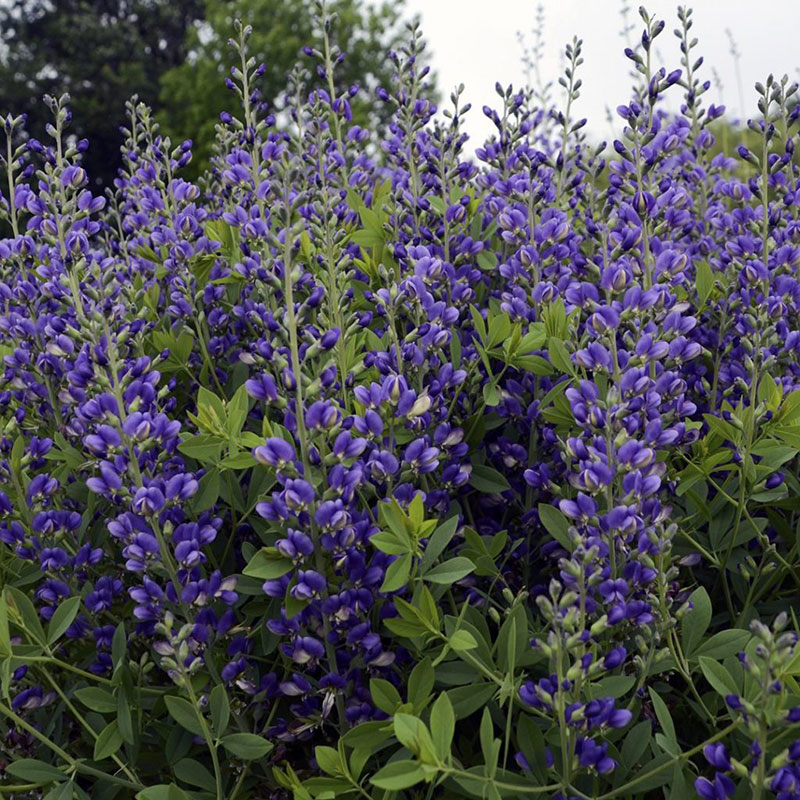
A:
<point x="365" y="466"/>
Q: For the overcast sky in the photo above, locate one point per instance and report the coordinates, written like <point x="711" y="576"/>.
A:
<point x="475" y="42"/>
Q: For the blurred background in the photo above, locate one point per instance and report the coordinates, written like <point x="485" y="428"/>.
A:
<point x="173" y="54"/>
<point x="477" y="42"/>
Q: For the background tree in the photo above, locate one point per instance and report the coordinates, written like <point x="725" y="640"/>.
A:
<point x="194" y="93"/>
<point x="99" y="51"/>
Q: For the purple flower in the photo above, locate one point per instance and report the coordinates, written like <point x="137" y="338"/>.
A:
<point x="275" y="453"/>
<point x="717" y="755"/>
<point x="721" y="789"/>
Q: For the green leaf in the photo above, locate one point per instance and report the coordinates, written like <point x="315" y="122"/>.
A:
<point x="455" y="349"/>
<point x="390" y="543"/>
<point x="163" y="791"/>
<point x="704" y="282"/>
<point x="451" y="571"/>
<point x="201" y="267"/>
<point x="384" y="695"/>
<point x="367" y="238"/>
<point x="329" y="760"/>
<point x="247" y="746"/>
<point x="368" y="734"/>
<point x="772" y="454"/>
<point x="790" y="408"/>
<point x="487" y="260"/>
<point x="208" y="493"/>
<point x="695" y="623"/>
<point x="488" y="480"/>
<point x="358" y="760"/>
<point x="108" y="742"/>
<point x="556" y="524"/>
<point x="533" y="339"/>
<point x="23" y="613"/>
<point x="407" y="729"/>
<point x="427" y="608"/>
<point x="393" y="517"/>
<point x="62" y="791"/>
<point x="35" y="771"/>
<point x="220" y="709"/>
<point x="535" y="364"/>
<point x="467" y="700"/>
<point x="442" y="725"/>
<point x="62" y="618"/>
<point x="436" y="545"/>
<point x="790" y="436"/>
<point x="267" y="564"/>
<point x="635" y="744"/>
<point x="17" y="451"/>
<point x="499" y="328"/>
<point x="491" y="395"/>
<point x="478" y="323"/>
<point x="769" y="392"/>
<point x="119" y="645"/>
<point x="124" y="719"/>
<point x="531" y="742"/>
<point x="204" y="447"/>
<point x="659" y="778"/>
<point x="513" y="639"/>
<point x="724" y="643"/>
<point x="193" y="772"/>
<point x="420" y="684"/>
<point x="398" y="775"/>
<point x="243" y="460"/>
<point x="207" y="401"/>
<point x="407" y="628"/>
<point x="183" y="712"/>
<point x="612" y="686"/>
<point x="462" y="640"/>
<point x="97" y="699"/>
<point x="559" y="356"/>
<point x="397" y="574"/>
<point x="238" y="407"/>
<point x="5" y="633"/>
<point x="482" y="650"/>
<point x="490" y="747"/>
<point x="718" y="677"/>
<point x="722" y="428"/>
<point x="663" y="715"/>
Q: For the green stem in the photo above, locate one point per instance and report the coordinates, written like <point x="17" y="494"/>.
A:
<point x="302" y="434"/>
<point x="239" y="781"/>
<point x="11" y="201"/>
<point x="85" y="725"/>
<point x="624" y="790"/>
<point x="78" y="671"/>
<point x="77" y="766"/>
<point x="209" y="739"/>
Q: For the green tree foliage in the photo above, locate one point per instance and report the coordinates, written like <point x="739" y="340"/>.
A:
<point x="99" y="51"/>
<point x="194" y="93"/>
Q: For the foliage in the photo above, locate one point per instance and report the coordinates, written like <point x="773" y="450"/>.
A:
<point x="364" y="468"/>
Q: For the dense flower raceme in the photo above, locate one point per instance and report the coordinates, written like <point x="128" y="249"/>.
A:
<point x="361" y="436"/>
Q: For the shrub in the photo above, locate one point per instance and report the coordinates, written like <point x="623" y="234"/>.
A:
<point x="362" y="468"/>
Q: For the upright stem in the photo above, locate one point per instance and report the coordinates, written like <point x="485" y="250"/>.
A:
<point x="11" y="200"/>
<point x="209" y="739"/>
<point x="302" y="434"/>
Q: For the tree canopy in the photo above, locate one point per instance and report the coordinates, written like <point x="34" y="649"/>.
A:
<point x="174" y="55"/>
<point x="100" y="52"/>
<point x="194" y="93"/>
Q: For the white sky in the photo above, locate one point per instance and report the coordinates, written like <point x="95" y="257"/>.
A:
<point x="474" y="42"/>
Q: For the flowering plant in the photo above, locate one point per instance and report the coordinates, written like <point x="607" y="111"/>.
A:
<point x="359" y="438"/>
